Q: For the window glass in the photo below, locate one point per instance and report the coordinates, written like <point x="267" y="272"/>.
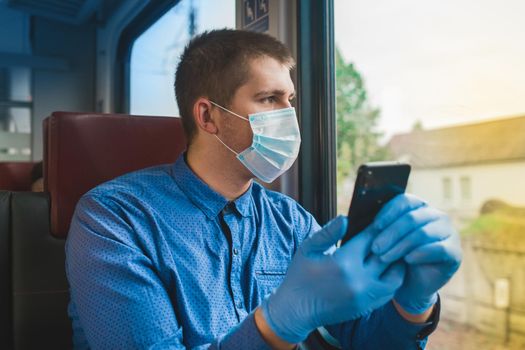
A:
<point x="441" y="85"/>
<point x="156" y="52"/>
<point x="15" y="114"/>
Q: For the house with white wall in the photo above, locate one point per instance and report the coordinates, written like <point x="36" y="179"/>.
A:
<point x="459" y="168"/>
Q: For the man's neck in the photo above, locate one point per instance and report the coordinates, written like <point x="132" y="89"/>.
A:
<point x="215" y="172"/>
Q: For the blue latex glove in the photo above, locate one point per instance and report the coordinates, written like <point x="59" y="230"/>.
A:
<point x="325" y="286"/>
<point x="425" y="239"/>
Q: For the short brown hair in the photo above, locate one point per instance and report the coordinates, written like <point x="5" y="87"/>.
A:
<point x="215" y="64"/>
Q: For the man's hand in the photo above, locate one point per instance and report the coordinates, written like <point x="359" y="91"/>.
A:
<point x="323" y="288"/>
<point x="425" y="239"/>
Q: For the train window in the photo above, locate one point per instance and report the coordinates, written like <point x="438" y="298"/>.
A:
<point x="15" y="114"/>
<point x="441" y="85"/>
<point x="155" y="53"/>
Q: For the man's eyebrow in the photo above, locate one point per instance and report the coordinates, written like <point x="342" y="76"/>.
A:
<point x="273" y="92"/>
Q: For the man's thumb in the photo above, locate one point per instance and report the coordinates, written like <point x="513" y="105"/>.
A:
<point x="326" y="237"/>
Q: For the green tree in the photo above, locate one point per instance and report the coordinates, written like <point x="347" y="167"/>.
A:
<point x="417" y="126"/>
<point x="357" y="136"/>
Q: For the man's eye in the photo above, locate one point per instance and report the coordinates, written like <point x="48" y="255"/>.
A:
<point x="269" y="99"/>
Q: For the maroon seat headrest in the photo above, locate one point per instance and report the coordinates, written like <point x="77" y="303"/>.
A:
<point x="83" y="150"/>
<point x="16" y="176"/>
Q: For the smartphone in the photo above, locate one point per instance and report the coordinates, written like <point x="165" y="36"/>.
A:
<point x="375" y="185"/>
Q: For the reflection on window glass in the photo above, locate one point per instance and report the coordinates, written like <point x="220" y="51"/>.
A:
<point x="441" y="85"/>
<point x="15" y="114"/>
<point x="20" y="84"/>
<point x="155" y="53"/>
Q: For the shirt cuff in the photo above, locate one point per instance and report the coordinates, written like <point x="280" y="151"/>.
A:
<point x="245" y="335"/>
<point x="401" y="327"/>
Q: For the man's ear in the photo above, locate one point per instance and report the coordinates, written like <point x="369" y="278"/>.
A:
<point x="202" y="116"/>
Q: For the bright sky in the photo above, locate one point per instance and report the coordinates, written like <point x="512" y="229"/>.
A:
<point x="442" y="62"/>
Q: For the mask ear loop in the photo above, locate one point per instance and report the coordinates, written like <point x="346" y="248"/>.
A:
<point x="227" y="110"/>
<point x="225" y="145"/>
<point x="235" y="114"/>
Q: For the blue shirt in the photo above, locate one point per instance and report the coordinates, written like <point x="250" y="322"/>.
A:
<point x="157" y="259"/>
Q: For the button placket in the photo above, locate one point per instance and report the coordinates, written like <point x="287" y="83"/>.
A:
<point x="235" y="277"/>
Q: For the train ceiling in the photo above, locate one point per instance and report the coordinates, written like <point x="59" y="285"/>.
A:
<point x="68" y="11"/>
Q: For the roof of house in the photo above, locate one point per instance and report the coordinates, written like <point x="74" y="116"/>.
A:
<point x="486" y="142"/>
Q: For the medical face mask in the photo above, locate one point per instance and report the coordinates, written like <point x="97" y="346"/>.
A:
<point x="275" y="144"/>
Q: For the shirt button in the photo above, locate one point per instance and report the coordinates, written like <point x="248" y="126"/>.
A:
<point x="235" y="251"/>
<point x="239" y="304"/>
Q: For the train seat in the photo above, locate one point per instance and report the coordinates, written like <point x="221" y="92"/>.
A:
<point x="84" y="150"/>
<point x="81" y="150"/>
<point x="15" y="176"/>
<point x="5" y="269"/>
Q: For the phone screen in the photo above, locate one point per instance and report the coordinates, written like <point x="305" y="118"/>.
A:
<point x="376" y="184"/>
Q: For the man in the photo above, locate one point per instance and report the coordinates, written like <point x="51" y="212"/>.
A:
<point x="197" y="255"/>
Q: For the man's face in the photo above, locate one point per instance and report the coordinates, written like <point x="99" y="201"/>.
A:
<point x="269" y="87"/>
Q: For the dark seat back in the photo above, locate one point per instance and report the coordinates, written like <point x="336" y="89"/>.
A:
<point x="5" y="270"/>
<point x="39" y="286"/>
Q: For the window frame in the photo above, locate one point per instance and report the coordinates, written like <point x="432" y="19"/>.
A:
<point x="316" y="98"/>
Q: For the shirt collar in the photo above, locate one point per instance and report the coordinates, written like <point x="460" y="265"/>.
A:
<point x="204" y="197"/>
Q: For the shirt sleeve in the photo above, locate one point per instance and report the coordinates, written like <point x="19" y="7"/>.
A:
<point x="304" y="223"/>
<point x="385" y="328"/>
<point x="119" y="299"/>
